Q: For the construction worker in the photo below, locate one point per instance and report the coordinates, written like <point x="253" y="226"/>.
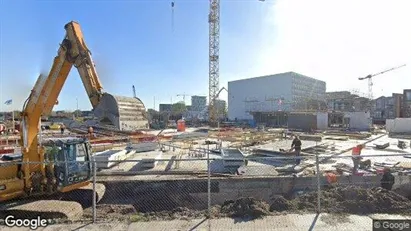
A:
<point x="62" y="128"/>
<point x="356" y="152"/>
<point x="387" y="180"/>
<point x="331" y="179"/>
<point x="90" y="132"/>
<point x="296" y="146"/>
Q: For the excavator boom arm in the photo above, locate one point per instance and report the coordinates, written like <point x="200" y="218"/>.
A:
<point x="41" y="101"/>
<point x="80" y="55"/>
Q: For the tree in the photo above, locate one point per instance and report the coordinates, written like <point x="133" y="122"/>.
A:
<point x="179" y="108"/>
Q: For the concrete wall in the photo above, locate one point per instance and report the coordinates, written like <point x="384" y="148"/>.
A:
<point x="258" y="89"/>
<point x="317" y="121"/>
<point x="305" y="122"/>
<point x="322" y="120"/>
<point x="359" y="120"/>
<point x="398" y="125"/>
<point x="192" y="193"/>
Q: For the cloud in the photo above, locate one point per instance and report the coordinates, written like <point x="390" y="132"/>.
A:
<point x="338" y="41"/>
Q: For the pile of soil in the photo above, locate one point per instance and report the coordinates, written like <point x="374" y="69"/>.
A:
<point x="245" y="207"/>
<point x="349" y="199"/>
<point x="180" y="213"/>
<point x="354" y="199"/>
<point x="280" y="204"/>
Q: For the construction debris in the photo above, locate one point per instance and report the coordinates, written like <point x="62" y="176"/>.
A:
<point x="355" y="200"/>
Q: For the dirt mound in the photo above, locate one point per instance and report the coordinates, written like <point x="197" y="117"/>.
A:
<point x="245" y="207"/>
<point x="280" y="204"/>
<point x="354" y="199"/>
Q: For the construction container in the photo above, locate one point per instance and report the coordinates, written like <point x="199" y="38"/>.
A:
<point x="181" y="125"/>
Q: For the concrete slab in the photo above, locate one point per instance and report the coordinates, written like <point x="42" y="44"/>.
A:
<point x="233" y="154"/>
<point x="151" y="162"/>
<point x="106" y="159"/>
<point x="143" y="146"/>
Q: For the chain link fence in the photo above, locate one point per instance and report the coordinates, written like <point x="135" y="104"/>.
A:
<point x="181" y="182"/>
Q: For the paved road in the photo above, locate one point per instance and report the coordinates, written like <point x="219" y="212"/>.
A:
<point x="288" y="222"/>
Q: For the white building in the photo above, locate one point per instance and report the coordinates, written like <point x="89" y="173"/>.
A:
<point x="198" y="103"/>
<point x="279" y="92"/>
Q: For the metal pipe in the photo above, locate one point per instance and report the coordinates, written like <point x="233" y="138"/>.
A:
<point x="317" y="163"/>
<point x="94" y="191"/>
<point x="209" y="188"/>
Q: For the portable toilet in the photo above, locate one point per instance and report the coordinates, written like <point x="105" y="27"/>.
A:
<point x="181" y="125"/>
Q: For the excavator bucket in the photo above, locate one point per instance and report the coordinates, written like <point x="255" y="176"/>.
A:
<point x="125" y="113"/>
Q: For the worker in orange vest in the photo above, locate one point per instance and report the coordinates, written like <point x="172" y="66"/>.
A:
<point x="356" y="152"/>
<point x="331" y="179"/>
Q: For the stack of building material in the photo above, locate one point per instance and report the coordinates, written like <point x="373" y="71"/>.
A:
<point x="109" y="158"/>
<point x="382" y="145"/>
<point x="310" y="137"/>
<point x="151" y="162"/>
<point x="387" y="163"/>
<point x="143" y="146"/>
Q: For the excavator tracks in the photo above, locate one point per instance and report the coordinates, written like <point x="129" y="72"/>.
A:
<point x="66" y="206"/>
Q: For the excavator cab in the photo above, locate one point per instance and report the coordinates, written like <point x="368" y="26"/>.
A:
<point x="70" y="158"/>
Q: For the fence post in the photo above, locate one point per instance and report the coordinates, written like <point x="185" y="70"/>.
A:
<point x="208" y="187"/>
<point x="317" y="163"/>
<point x="94" y="190"/>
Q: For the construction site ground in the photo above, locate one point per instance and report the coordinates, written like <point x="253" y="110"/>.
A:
<point x="271" y="213"/>
<point x="303" y="222"/>
<point x="330" y="150"/>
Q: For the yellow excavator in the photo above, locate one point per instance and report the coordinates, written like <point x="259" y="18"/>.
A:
<point x="60" y="165"/>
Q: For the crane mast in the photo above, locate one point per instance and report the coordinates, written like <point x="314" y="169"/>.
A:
<point x="214" y="58"/>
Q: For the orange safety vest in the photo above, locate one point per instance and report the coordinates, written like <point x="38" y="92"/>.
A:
<point x="356" y="150"/>
<point x="331" y="178"/>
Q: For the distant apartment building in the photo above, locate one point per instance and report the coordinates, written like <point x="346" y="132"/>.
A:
<point x="384" y="108"/>
<point x="398" y="105"/>
<point x="345" y="101"/>
<point x="395" y="106"/>
<point x="407" y="103"/>
<point x="165" y="107"/>
<point x="198" y="103"/>
<point x="86" y="113"/>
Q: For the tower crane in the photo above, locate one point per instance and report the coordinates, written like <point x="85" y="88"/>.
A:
<point x="184" y="96"/>
<point x="214" y="58"/>
<point x="369" y="77"/>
